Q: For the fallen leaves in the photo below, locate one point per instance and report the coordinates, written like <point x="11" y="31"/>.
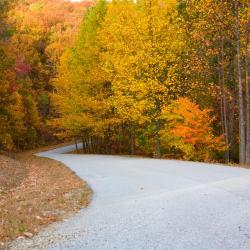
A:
<point x="41" y="192"/>
<point x="27" y="234"/>
<point x="12" y="174"/>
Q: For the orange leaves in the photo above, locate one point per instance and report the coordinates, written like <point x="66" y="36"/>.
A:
<point x="189" y="129"/>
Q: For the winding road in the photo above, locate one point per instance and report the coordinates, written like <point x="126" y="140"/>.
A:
<point x="142" y="203"/>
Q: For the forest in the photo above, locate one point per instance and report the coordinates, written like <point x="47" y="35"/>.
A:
<point x="160" y="78"/>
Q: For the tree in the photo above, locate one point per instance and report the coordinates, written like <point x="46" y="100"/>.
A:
<point x="6" y="75"/>
<point x="242" y="139"/>
<point x="80" y="88"/>
<point x="189" y="129"/>
<point x="141" y="47"/>
<point x="214" y="36"/>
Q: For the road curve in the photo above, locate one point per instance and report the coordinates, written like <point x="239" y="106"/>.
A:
<point x="141" y="203"/>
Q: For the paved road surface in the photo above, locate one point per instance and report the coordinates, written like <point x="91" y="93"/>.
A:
<point x="141" y="203"/>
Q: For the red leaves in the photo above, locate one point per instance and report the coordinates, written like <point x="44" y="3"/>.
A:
<point x="22" y="68"/>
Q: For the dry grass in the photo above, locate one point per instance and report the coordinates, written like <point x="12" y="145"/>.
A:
<point x="36" y="192"/>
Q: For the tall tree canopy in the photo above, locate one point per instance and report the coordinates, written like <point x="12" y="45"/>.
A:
<point x="121" y="76"/>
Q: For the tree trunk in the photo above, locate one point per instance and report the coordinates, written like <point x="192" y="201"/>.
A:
<point x="221" y="105"/>
<point x="233" y="103"/>
<point x="76" y="145"/>
<point x="106" y="142"/>
<point x="225" y="122"/>
<point x="92" y="142"/>
<point x="242" y="136"/>
<point x="158" y="141"/>
<point x="132" y="140"/>
<point x="100" y="146"/>
<point x="87" y="144"/>
<point x="83" y="145"/>
<point x="98" y="150"/>
<point x="90" y="145"/>
<point x="120" y="131"/>
<point x="95" y="145"/>
<point x="247" y="102"/>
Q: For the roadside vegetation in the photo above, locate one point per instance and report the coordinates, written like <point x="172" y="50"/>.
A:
<point x="35" y="192"/>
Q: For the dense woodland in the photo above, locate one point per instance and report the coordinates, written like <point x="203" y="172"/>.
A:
<point x="33" y="37"/>
<point x="162" y="78"/>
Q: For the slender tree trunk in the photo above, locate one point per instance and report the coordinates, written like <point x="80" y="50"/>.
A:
<point x="99" y="145"/>
<point x="242" y="136"/>
<point x="106" y="142"/>
<point x="91" y="145"/>
<point x="233" y="103"/>
<point x="158" y="141"/>
<point x="76" y="145"/>
<point x="225" y="122"/>
<point x="221" y="105"/>
<point x="87" y="145"/>
<point x="247" y="101"/>
<point x="83" y="145"/>
<point x="120" y="141"/>
<point x="132" y="140"/>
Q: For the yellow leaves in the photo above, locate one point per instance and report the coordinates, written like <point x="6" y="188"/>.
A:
<point x="17" y="112"/>
<point x="127" y="67"/>
<point x="139" y="56"/>
<point x="80" y="92"/>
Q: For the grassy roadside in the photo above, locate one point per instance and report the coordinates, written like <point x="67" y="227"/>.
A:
<point x="35" y="192"/>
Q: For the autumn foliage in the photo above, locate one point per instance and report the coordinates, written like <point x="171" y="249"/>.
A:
<point x="33" y="35"/>
<point x="117" y="81"/>
<point x="189" y="129"/>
